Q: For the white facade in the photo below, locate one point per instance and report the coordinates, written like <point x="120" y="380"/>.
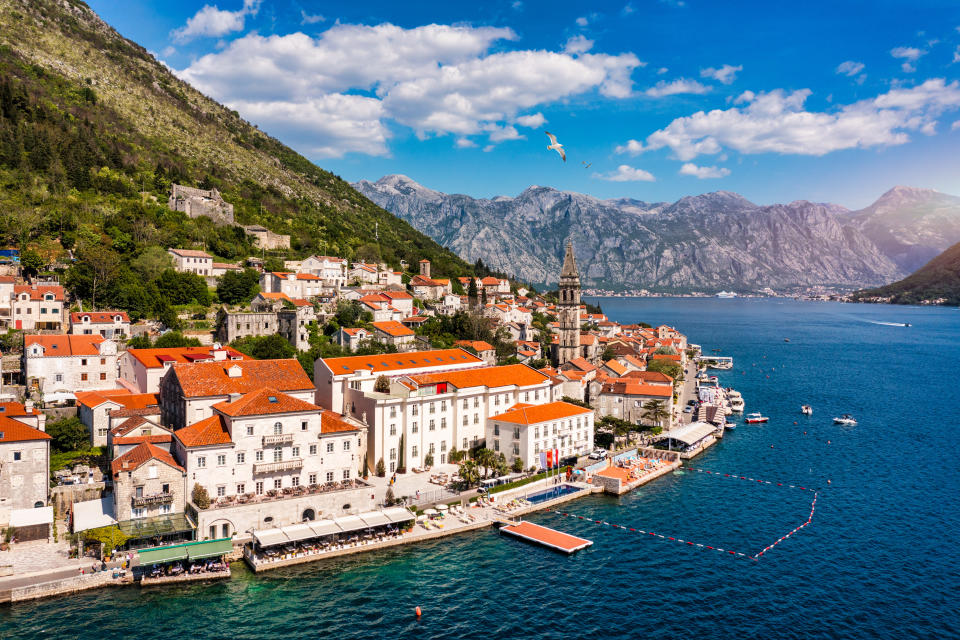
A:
<point x="68" y="363"/>
<point x="109" y="324"/>
<point x="38" y="307"/>
<point x="189" y="260"/>
<point x="518" y="434"/>
<point x="294" y="285"/>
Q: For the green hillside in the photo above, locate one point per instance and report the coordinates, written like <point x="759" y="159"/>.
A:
<point x="938" y="280"/>
<point x="93" y="130"/>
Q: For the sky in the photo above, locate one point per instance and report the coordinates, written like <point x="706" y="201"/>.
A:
<point x="651" y="99"/>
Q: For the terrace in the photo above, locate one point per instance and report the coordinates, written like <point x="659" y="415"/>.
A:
<point x="289" y="492"/>
<point x="153" y="499"/>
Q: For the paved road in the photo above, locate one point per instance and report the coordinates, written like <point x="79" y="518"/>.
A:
<point x="15" y="582"/>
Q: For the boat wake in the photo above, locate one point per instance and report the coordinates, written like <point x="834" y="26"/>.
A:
<point x="888" y="324"/>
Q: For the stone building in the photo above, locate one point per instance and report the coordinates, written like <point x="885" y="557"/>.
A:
<point x="230" y="326"/>
<point x="147" y="481"/>
<point x="24" y="465"/>
<point x="200" y="202"/>
<point x="568" y="310"/>
<point x="267" y="239"/>
<point x="60" y="365"/>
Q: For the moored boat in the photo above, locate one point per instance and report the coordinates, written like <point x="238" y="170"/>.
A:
<point x="806" y="410"/>
<point x="754" y="418"/>
<point x="845" y="419"/>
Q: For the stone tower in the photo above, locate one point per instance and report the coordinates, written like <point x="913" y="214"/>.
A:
<point x="568" y="346"/>
<point x="425" y="268"/>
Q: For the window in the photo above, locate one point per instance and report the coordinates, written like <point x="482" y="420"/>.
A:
<point x="259" y="456"/>
<point x="295" y="481"/>
<point x="17" y="455"/>
<point x="83" y="376"/>
<point x="443" y="423"/>
<point x="536" y="394"/>
<point x="476" y="418"/>
<point x="241" y="457"/>
<point x="393" y="467"/>
<point x="278" y="483"/>
<point x="433" y="408"/>
<point x="312" y="478"/>
<point x="496" y="445"/>
<point x="166" y="508"/>
<point x="466" y="444"/>
<point x="516" y="449"/>
<point x="432" y="449"/>
<point x="393" y="429"/>
<point x="221" y="460"/>
<point x="202" y="461"/>
<point x="516" y="433"/>
<point x="303" y="425"/>
<point x="413" y="452"/>
<point x="393" y="454"/>
<point x="139" y="492"/>
<point x="496" y="429"/>
<point x="83" y="362"/>
<point x="329" y="476"/>
<point x="536" y="432"/>
<point x="496" y="400"/>
<point x="295" y="452"/>
<point x="165" y="488"/>
<point x="249" y="429"/>
<point x="313" y="451"/>
<point x="466" y="420"/>
<point x="476" y="402"/>
<point x="526" y="396"/>
<point x="259" y="488"/>
<point x="466" y="402"/>
<point x="346" y="474"/>
<point x="416" y="410"/>
<point x="43" y="309"/>
<point x="103" y="376"/>
<point x="59" y="377"/>
<point x="393" y="412"/>
<point x="329" y="447"/>
<point x="443" y="405"/>
<point x="221" y="491"/>
<point x="138" y="513"/>
<point x="346" y="445"/>
<point x="277" y="428"/>
<point x="277" y="454"/>
<point x="413" y="427"/>
<point x="103" y="361"/>
<point x="241" y="489"/>
<point x="443" y="446"/>
<point x="433" y="426"/>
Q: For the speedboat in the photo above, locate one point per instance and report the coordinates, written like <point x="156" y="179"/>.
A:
<point x="736" y="403"/>
<point x="845" y="419"/>
<point x="806" y="410"/>
<point x="730" y="425"/>
<point x="754" y="418"/>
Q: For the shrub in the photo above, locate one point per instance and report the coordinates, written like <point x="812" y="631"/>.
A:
<point x="381" y="468"/>
<point x="200" y="497"/>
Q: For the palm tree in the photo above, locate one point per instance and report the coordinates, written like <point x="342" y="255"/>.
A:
<point x="654" y="411"/>
<point x="469" y="473"/>
<point x="487" y="459"/>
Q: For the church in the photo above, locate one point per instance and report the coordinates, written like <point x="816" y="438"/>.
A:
<point x="571" y="344"/>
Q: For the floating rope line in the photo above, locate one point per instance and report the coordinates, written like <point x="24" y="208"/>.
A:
<point x="739" y="554"/>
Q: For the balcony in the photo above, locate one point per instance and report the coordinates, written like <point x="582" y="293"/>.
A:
<point x="280" y="438"/>
<point x="278" y="467"/>
<point x="153" y="499"/>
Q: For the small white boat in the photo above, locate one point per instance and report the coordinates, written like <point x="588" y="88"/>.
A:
<point x="754" y="418"/>
<point x="845" y="419"/>
<point x="737" y="404"/>
<point x="806" y="410"/>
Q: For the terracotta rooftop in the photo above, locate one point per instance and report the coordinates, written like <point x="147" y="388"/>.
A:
<point x="393" y="328"/>
<point x="204" y="379"/>
<point x="190" y="253"/>
<point x="158" y="438"/>
<point x="209" y="431"/>
<point x="155" y="358"/>
<point x="38" y="291"/>
<point x="490" y="377"/>
<point x="65" y="345"/>
<point x="400" y="361"/>
<point x="631" y="388"/>
<point x="616" y="367"/>
<point x="12" y="409"/>
<point x="478" y="345"/>
<point x="535" y="414"/>
<point x="331" y="422"/>
<point x="123" y="397"/>
<point x="264" y="402"/>
<point x="141" y="454"/>
<point x="98" y="317"/>
<point x="15" y="431"/>
<point x="650" y="377"/>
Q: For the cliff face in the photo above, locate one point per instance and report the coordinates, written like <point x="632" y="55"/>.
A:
<point x="709" y="242"/>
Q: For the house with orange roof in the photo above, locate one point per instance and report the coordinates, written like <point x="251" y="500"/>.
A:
<point x="58" y="366"/>
<point x="524" y="431"/>
<point x="192" y="261"/>
<point x="263" y="456"/>
<point x="25" y="468"/>
<point x="109" y="324"/>
<point x="95" y="410"/>
<point x="332" y="270"/>
<point x="147" y="482"/>
<point x="427" y="288"/>
<point x="295" y="284"/>
<point x="485" y="350"/>
<point x="38" y="307"/>
<point x="136" y="430"/>
<point x="142" y="369"/>
<point x="394" y="333"/>
<point x="351" y="337"/>
<point x="189" y="391"/>
<point x="363" y="273"/>
<point x="628" y="398"/>
<point x="614" y="368"/>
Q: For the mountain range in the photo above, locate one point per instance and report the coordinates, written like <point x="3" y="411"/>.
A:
<point x="937" y="282"/>
<point x="708" y="242"/>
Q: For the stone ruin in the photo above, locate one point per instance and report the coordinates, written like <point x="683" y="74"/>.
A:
<point x="200" y="202"/>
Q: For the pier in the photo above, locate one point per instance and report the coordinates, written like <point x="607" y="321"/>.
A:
<point x="544" y="536"/>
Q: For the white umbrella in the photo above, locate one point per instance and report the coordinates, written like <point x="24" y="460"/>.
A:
<point x="443" y="507"/>
<point x="431" y="512"/>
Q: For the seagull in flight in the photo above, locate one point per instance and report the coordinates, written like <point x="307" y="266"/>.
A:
<point x="586" y="165"/>
<point x="556" y="146"/>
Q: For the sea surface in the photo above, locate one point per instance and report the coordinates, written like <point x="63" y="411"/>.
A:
<point x="878" y="561"/>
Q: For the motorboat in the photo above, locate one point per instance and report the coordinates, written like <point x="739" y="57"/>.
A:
<point x="730" y="425"/>
<point x="727" y="294"/>
<point x="806" y="410"/>
<point x="736" y="403"/>
<point x="845" y="419"/>
<point x="754" y="418"/>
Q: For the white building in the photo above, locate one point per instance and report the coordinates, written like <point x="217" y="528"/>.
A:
<point x="394" y="333"/>
<point x="141" y="369"/>
<point x="332" y="270"/>
<point x="351" y="337"/>
<point x="526" y="430"/>
<point x="294" y="285"/>
<point x="192" y="261"/>
<point x="61" y="365"/>
<point x="38" y="307"/>
<point x="363" y="273"/>
<point x="109" y="324"/>
<point x="95" y="409"/>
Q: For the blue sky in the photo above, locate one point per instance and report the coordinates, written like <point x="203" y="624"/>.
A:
<point x="825" y="101"/>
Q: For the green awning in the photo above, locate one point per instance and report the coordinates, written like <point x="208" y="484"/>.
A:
<point x="211" y="549"/>
<point x="162" y="554"/>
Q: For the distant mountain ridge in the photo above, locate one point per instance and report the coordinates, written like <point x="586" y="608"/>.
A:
<point x="937" y="282"/>
<point x="708" y="242"/>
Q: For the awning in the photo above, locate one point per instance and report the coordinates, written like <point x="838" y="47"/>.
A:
<point x="299" y="532"/>
<point x="31" y="517"/>
<point x="398" y="514"/>
<point x="270" y="537"/>
<point x="162" y="554"/>
<point x="374" y="519"/>
<point x="155" y="526"/>
<point x="324" y="528"/>
<point x="58" y="396"/>
<point x="690" y="433"/>
<point x="351" y="523"/>
<point x="93" y="514"/>
<point x="210" y="549"/>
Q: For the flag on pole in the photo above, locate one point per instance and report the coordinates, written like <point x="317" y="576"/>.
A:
<point x="556" y="457"/>
<point x="543" y="459"/>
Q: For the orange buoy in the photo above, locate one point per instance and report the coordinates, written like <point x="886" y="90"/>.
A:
<point x="417" y="610"/>
<point x="794" y="422"/>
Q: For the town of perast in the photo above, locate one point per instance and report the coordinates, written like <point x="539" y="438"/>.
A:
<point x="506" y="320"/>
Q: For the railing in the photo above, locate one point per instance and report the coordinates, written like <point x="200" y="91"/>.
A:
<point x="280" y="438"/>
<point x="274" y="467"/>
<point x="156" y="498"/>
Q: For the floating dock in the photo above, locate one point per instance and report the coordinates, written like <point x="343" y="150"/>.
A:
<point x="556" y="540"/>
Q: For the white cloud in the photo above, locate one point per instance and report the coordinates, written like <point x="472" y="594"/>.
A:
<point x="725" y="74"/>
<point x="680" y="85"/>
<point x="465" y="143"/>
<point x="435" y="79"/>
<point x="628" y="9"/>
<point x="499" y="134"/>
<point x="213" y="22"/>
<point x="534" y="121"/>
<point x="690" y="169"/>
<point x="517" y="5"/>
<point x="909" y="55"/>
<point x="306" y="18"/>
<point x="626" y="173"/>
<point x="777" y="122"/>
<point x="578" y="44"/>
<point x="582" y="21"/>
<point x="168" y="51"/>
<point x="662" y="70"/>
<point x="633" y="147"/>
<point x="955" y="125"/>
<point x="956" y="54"/>
<point x="849" y="68"/>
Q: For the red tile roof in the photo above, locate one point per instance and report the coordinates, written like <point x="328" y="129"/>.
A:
<point x="264" y="402"/>
<point x="582" y="364"/>
<point x="331" y="422"/>
<point x="490" y="377"/>
<point x="123" y="397"/>
<point x="399" y="361"/>
<point x="393" y="328"/>
<point x="191" y="253"/>
<point x="98" y="317"/>
<point x="650" y="377"/>
<point x="65" y="345"/>
<point x="535" y="414"/>
<point x="204" y="379"/>
<point x="155" y="358"/>
<point x="397" y="295"/>
<point x="616" y="367"/>
<point x="209" y="431"/>
<point x="141" y="454"/>
<point x="631" y="388"/>
<point x="153" y="439"/>
<point x="15" y="431"/>
<point x="478" y="345"/>
<point x="17" y="409"/>
<point x="37" y="293"/>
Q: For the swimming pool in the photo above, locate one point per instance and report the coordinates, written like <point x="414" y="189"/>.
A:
<point x="551" y="493"/>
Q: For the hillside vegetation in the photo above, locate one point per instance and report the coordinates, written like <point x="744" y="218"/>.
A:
<point x="937" y="282"/>
<point x="93" y="130"/>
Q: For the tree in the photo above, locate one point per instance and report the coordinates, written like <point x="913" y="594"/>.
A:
<point x="428" y="461"/>
<point x="517" y="466"/>
<point x="382" y="385"/>
<point x="68" y="434"/>
<point x="236" y="287"/>
<point x="31" y="263"/>
<point x="665" y="366"/>
<point x="200" y="497"/>
<point x="151" y="262"/>
<point x="666" y="350"/>
<point x="271" y="347"/>
<point x="183" y="288"/>
<point x="381" y="468"/>
<point x="609" y="354"/>
<point x="654" y="411"/>
<point x="469" y="473"/>
<point x="485" y="458"/>
<point x="93" y="272"/>
<point x="109" y="537"/>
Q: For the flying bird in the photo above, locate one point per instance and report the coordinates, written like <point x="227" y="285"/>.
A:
<point x="556" y="146"/>
<point x="586" y="165"/>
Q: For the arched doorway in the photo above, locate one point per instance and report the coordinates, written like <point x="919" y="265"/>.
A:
<point x="308" y="514"/>
<point x="37" y="505"/>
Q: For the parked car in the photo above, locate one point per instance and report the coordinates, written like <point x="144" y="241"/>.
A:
<point x="599" y="454"/>
<point x="691" y="402"/>
<point x="688" y="409"/>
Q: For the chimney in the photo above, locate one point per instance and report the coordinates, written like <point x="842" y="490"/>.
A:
<point x="219" y="354"/>
<point x="28" y="405"/>
<point x="235" y="396"/>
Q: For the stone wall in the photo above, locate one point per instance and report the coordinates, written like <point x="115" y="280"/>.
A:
<point x="63" y="496"/>
<point x="200" y="202"/>
<point x="267" y="239"/>
<point x="125" y="485"/>
<point x="231" y="326"/>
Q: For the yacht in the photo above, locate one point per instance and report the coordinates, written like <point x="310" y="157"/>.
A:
<point x="754" y="418"/>
<point x="736" y="403"/>
<point x="845" y="419"/>
<point x="806" y="410"/>
<point x="727" y="294"/>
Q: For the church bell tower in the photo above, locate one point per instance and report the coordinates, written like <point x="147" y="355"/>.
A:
<point x="569" y="309"/>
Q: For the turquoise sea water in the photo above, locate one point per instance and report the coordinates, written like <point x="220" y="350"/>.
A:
<point x="879" y="560"/>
